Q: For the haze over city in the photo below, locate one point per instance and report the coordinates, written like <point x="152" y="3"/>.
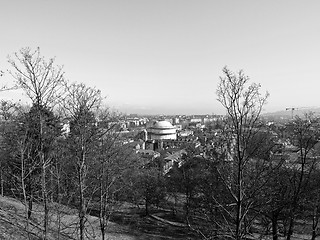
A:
<point x="152" y="57"/>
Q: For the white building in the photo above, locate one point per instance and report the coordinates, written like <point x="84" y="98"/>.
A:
<point x="161" y="130"/>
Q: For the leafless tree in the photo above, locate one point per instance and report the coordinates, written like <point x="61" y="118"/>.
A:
<point x="243" y="103"/>
<point x="43" y="83"/>
<point x="20" y="167"/>
<point x="304" y="134"/>
<point x="41" y="79"/>
<point x="5" y="87"/>
<point x="80" y="105"/>
<point x="113" y="163"/>
<point x="7" y="111"/>
<point x="25" y="172"/>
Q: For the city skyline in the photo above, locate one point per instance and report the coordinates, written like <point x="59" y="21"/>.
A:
<point x="165" y="57"/>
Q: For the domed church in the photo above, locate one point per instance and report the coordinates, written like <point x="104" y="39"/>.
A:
<point x="161" y="130"/>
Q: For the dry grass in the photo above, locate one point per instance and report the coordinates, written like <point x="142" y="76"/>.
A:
<point x="63" y="223"/>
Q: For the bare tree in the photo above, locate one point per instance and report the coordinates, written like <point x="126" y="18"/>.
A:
<point x="42" y="81"/>
<point x="113" y="164"/>
<point x="109" y="166"/>
<point x="304" y="135"/>
<point x="80" y="104"/>
<point x="243" y="103"/>
<point x="7" y="111"/>
<point x="5" y="87"/>
<point x="20" y="168"/>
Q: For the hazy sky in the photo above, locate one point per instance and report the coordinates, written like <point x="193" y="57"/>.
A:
<point x="166" y="56"/>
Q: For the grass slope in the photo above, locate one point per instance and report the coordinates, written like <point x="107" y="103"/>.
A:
<point x="63" y="223"/>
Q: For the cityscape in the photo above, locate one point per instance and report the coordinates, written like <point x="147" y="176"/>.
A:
<point x="159" y="119"/>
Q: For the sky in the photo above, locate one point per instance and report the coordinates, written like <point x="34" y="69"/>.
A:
<point x="166" y="56"/>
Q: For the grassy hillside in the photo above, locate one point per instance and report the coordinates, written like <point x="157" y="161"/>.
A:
<point x="127" y="224"/>
<point x="13" y="224"/>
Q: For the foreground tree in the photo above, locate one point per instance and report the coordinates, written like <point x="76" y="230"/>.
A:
<point x="304" y="134"/>
<point x="81" y="104"/>
<point x="43" y="83"/>
<point x="112" y="165"/>
<point x="243" y="103"/>
<point x="312" y="202"/>
<point x="8" y="110"/>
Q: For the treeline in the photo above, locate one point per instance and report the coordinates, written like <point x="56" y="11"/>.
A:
<point x="65" y="149"/>
<point x="254" y="180"/>
<point x="267" y="195"/>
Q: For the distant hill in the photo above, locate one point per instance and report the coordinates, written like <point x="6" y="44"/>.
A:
<point x="287" y="114"/>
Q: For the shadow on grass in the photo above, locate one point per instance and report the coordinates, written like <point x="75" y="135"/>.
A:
<point x="148" y="227"/>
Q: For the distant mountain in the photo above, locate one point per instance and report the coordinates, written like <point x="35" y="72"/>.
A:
<point x="289" y="113"/>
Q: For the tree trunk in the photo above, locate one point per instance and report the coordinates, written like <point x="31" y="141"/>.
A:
<point x="290" y="229"/>
<point x="82" y="205"/>
<point x="103" y="233"/>
<point x="81" y="213"/>
<point x="103" y="213"/>
<point x="315" y="221"/>
<point x="58" y="172"/>
<point x="314" y="234"/>
<point x="23" y="185"/>
<point x="43" y="175"/>
<point x="297" y="195"/>
<point x="2" y="182"/>
<point x="30" y="206"/>
<point x="274" y="226"/>
<point x="238" y="221"/>
<point x="103" y="200"/>
<point x="239" y="216"/>
<point x="81" y="225"/>
<point x="147" y="205"/>
<point x="45" y="201"/>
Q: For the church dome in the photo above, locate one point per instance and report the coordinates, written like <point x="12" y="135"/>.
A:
<point x="162" y="125"/>
<point x="161" y="130"/>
